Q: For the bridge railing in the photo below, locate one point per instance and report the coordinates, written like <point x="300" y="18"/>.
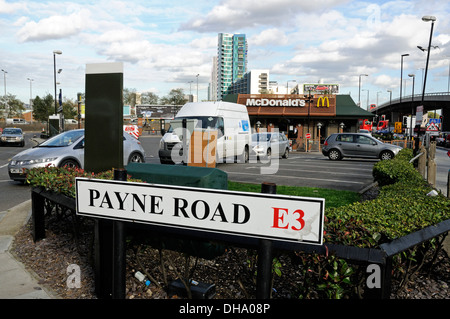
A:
<point x="417" y="97"/>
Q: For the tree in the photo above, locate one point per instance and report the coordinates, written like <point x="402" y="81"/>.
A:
<point x="11" y="106"/>
<point x="43" y="108"/>
<point x="70" y="109"/>
<point x="175" y="97"/>
<point x="149" y="98"/>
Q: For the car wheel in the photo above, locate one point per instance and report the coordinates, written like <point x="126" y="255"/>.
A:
<point x="269" y="153"/>
<point x="136" y="158"/>
<point x="69" y="164"/>
<point x="386" y="155"/>
<point x="334" y="155"/>
<point x="286" y="153"/>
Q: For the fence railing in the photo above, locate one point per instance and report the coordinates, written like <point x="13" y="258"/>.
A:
<point x="382" y="256"/>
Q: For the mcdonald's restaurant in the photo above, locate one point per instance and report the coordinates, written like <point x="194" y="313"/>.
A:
<point x="307" y="120"/>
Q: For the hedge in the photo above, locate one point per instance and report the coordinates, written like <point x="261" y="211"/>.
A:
<point x="402" y="207"/>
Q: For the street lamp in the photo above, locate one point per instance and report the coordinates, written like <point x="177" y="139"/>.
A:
<point x="427" y="19"/>
<point x="368" y="92"/>
<point x="197" y="86"/>
<point x="4" y="78"/>
<point x="390" y="104"/>
<point x="413" y="76"/>
<point x="55" y="52"/>
<point x="31" y="94"/>
<point x="401" y="76"/>
<point x="359" y="97"/>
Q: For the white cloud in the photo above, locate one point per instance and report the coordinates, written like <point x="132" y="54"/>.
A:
<point x="7" y="7"/>
<point x="54" y="27"/>
<point x="236" y="14"/>
<point x="269" y="37"/>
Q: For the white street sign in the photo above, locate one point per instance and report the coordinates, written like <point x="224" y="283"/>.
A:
<point x="266" y="216"/>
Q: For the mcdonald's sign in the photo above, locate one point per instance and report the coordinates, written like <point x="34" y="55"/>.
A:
<point x="321" y="101"/>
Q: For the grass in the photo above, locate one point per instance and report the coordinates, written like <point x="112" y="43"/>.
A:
<point x="333" y="198"/>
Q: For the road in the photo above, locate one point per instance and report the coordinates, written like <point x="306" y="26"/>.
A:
<point x="300" y="169"/>
<point x="12" y="193"/>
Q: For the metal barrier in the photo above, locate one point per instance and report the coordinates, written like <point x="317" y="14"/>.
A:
<point x="381" y="256"/>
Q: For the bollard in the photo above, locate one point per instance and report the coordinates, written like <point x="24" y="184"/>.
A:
<point x="448" y="184"/>
<point x="264" y="275"/>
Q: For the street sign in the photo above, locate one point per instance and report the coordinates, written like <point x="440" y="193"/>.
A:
<point x="419" y="114"/>
<point x="433" y="127"/>
<point x="308" y="135"/>
<point x="264" y="216"/>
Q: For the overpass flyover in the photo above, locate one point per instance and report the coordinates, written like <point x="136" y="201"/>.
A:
<point x="395" y="110"/>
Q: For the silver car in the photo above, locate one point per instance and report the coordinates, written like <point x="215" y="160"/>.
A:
<point x="12" y="135"/>
<point x="341" y="145"/>
<point x="66" y="149"/>
<point x="269" y="144"/>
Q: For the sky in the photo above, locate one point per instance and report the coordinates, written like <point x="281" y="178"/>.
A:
<point x="164" y="44"/>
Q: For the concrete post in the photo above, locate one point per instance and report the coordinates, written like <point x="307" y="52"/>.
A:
<point x="422" y="161"/>
<point x="431" y="166"/>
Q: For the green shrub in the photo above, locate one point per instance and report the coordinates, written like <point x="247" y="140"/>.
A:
<point x="396" y="170"/>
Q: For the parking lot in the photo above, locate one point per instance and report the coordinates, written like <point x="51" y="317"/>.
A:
<point x="300" y="169"/>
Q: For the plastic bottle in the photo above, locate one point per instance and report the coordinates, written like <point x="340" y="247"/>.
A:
<point x="141" y="277"/>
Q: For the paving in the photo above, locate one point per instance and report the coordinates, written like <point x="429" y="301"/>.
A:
<point x="16" y="282"/>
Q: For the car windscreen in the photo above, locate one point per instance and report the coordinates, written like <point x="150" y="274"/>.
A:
<point x="63" y="139"/>
<point x="12" y="131"/>
<point x="204" y="122"/>
<point x="261" y="137"/>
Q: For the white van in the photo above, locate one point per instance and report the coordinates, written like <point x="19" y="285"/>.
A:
<point x="229" y="119"/>
<point x="16" y="121"/>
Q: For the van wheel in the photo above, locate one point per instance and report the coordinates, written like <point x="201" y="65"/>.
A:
<point x="245" y="155"/>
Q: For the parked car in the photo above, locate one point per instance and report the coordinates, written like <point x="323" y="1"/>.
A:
<point x="441" y="139"/>
<point x="341" y="145"/>
<point x="12" y="135"/>
<point x="66" y="149"/>
<point x="269" y="144"/>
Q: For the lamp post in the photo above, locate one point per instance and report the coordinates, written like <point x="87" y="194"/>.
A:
<point x="4" y="79"/>
<point x="319" y="126"/>
<point x="55" y="52"/>
<point x="401" y="76"/>
<point x="359" y="96"/>
<point x="197" y="86"/>
<point x="413" y="76"/>
<point x="390" y="104"/>
<point x="427" y="19"/>
<point x="368" y="92"/>
<point x="31" y="94"/>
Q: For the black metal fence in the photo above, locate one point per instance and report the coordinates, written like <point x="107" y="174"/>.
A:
<point x="382" y="256"/>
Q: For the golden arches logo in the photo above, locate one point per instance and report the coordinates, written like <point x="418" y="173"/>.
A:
<point x="322" y="100"/>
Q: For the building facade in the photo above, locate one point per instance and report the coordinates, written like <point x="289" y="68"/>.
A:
<point x="231" y="61"/>
<point x="306" y="119"/>
<point x="253" y="82"/>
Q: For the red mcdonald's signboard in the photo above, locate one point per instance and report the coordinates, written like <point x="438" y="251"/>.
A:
<point x="288" y="104"/>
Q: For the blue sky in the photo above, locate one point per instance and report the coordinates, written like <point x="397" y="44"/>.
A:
<point x="165" y="44"/>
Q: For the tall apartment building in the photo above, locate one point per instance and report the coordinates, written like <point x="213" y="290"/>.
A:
<point x="231" y="61"/>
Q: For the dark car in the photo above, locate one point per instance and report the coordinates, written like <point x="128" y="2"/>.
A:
<point x="12" y="135"/>
<point x="341" y="145"/>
